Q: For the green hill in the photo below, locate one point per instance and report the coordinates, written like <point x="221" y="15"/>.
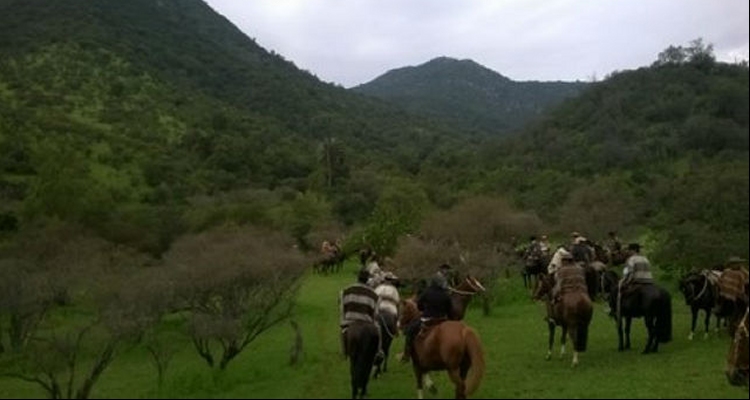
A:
<point x="468" y="94"/>
<point x="113" y="109"/>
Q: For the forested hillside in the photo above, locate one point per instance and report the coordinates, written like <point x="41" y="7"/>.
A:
<point x="663" y="147"/>
<point x="121" y="115"/>
<point x="468" y="95"/>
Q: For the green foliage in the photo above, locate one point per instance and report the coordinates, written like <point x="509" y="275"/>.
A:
<point x="399" y="211"/>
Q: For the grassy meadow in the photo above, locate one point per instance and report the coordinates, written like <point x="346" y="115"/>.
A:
<point x="514" y="338"/>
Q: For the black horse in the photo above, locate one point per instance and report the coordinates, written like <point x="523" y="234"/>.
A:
<point x="700" y="294"/>
<point x="387" y="323"/>
<point x="361" y="349"/>
<point x="532" y="268"/>
<point x="650" y="301"/>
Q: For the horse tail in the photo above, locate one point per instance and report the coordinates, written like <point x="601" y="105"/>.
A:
<point x="664" y="319"/>
<point x="476" y="355"/>
<point x="584" y="315"/>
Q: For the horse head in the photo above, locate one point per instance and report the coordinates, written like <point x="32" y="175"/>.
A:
<point x="409" y="312"/>
<point x="543" y="287"/>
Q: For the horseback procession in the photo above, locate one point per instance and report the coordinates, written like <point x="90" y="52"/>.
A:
<point x="569" y="280"/>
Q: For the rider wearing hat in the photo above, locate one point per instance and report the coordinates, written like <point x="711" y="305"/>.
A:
<point x="434" y="303"/>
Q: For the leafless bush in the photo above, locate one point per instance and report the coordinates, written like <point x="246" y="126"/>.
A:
<point x="471" y="237"/>
<point x="235" y="283"/>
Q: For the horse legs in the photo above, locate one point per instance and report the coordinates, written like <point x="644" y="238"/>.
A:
<point x="419" y="377"/>
<point x="551" y="340"/>
<point x="562" y="340"/>
<point x="652" y="341"/>
<point x="628" y="323"/>
<point x="708" y="320"/>
<point x="460" y="383"/>
<point x="620" y="346"/>
<point x="694" y="311"/>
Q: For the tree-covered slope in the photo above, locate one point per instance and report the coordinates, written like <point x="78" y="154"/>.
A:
<point x="468" y="94"/>
<point x="109" y="106"/>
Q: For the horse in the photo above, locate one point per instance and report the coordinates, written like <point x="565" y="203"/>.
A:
<point x="449" y="345"/>
<point x="651" y="302"/>
<point x="533" y="267"/>
<point x="593" y="273"/>
<point x="361" y="340"/>
<point x="732" y="298"/>
<point x="737" y="370"/>
<point x="573" y="313"/>
<point x="700" y="294"/>
<point x="461" y="295"/>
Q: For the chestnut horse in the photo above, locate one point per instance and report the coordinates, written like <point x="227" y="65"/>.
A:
<point x="449" y="345"/>
<point x="737" y="361"/>
<point x="572" y="313"/>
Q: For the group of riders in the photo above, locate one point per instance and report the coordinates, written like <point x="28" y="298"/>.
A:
<point x="375" y="294"/>
<point x="376" y="291"/>
<point x="569" y="263"/>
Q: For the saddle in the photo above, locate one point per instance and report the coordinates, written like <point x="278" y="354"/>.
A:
<point x="428" y="324"/>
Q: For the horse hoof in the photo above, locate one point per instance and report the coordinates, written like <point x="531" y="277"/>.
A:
<point x="690" y="337"/>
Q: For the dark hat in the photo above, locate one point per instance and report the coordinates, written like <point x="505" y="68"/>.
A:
<point x="363" y="276"/>
<point x="634" y="247"/>
<point x="444" y="267"/>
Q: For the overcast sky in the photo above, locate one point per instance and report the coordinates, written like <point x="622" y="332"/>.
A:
<point x="349" y="42"/>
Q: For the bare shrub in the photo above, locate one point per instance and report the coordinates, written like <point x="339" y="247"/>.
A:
<point x="235" y="283"/>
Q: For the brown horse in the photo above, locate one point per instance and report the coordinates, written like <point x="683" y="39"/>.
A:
<point x="737" y="370"/>
<point x="461" y="296"/>
<point x="572" y="313"/>
<point x="449" y="345"/>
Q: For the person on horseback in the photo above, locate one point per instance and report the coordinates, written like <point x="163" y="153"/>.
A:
<point x="544" y="246"/>
<point x="613" y="243"/>
<point x="358" y="303"/>
<point x="567" y="276"/>
<point x="637" y="271"/>
<point x="435" y="305"/>
<point x="373" y="268"/>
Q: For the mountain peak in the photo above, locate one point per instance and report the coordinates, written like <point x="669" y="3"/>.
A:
<point x="467" y="93"/>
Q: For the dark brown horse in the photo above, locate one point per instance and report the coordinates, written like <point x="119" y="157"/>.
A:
<point x="361" y="342"/>
<point x="651" y="302"/>
<point x="572" y="313"/>
<point x="461" y="295"/>
<point x="700" y="294"/>
<point x="737" y="370"/>
<point x="448" y="345"/>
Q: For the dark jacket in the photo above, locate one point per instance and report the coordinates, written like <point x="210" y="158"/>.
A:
<point x="435" y="302"/>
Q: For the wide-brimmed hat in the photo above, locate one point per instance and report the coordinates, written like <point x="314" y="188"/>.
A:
<point x="575" y="234"/>
<point x="390" y="276"/>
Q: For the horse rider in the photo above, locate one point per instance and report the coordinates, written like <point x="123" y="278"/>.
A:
<point x="373" y="269"/>
<point x="637" y="271"/>
<point x="435" y="305"/>
<point x="388" y="298"/>
<point x="614" y="245"/>
<point x="581" y="251"/>
<point x="568" y="276"/>
<point x="358" y="303"/>
<point x="544" y="246"/>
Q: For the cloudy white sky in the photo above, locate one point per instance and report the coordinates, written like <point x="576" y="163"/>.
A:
<point x="349" y="42"/>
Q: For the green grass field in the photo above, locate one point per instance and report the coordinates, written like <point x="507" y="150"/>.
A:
<point x="514" y="338"/>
